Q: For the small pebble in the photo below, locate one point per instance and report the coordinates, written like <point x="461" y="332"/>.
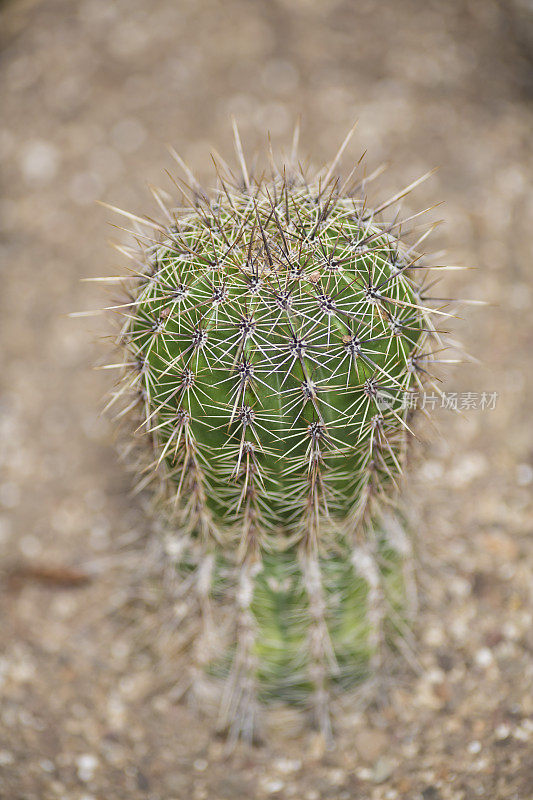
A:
<point x="39" y="161"/>
<point x="287" y="765"/>
<point x="383" y="769"/>
<point x="86" y="765"/>
<point x="522" y="733"/>
<point x="524" y="474"/>
<point x="370" y="744"/>
<point x="502" y="732"/>
<point x="271" y="785"/>
<point x="337" y="777"/>
<point x="6" y="758"/>
<point x="484" y="657"/>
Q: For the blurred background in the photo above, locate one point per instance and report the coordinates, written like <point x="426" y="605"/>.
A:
<point x="91" y="94"/>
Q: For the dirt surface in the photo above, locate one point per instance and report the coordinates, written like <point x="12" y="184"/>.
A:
<point x="91" y="93"/>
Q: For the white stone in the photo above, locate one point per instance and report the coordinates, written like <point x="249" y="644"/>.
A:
<point x="86" y="765"/>
<point x="287" y="765"/>
<point x="40" y="160"/>
<point x="271" y="785"/>
<point x="524" y="474"/>
<point x="484" y="657"/>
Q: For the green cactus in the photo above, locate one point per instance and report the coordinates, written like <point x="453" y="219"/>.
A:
<point x="272" y="333"/>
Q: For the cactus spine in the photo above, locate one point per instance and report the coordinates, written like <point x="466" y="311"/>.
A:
<point x="272" y="332"/>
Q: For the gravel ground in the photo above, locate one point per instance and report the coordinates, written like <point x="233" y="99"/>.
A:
<point x="91" y="93"/>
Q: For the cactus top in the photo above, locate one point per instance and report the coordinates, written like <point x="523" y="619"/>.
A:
<point x="274" y="332"/>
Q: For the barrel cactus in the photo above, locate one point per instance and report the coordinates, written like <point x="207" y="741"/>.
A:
<point x="273" y="334"/>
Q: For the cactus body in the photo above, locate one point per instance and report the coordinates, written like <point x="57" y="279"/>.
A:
<point x="272" y="335"/>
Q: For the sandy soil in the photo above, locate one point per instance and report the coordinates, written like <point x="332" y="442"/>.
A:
<point x="91" y="93"/>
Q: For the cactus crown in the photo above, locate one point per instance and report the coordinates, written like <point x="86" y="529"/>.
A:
<point x="272" y="332"/>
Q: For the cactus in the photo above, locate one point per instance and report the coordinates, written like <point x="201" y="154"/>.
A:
<point x="272" y="332"/>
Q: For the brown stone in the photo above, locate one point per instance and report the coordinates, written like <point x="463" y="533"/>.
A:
<point x="371" y="744"/>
